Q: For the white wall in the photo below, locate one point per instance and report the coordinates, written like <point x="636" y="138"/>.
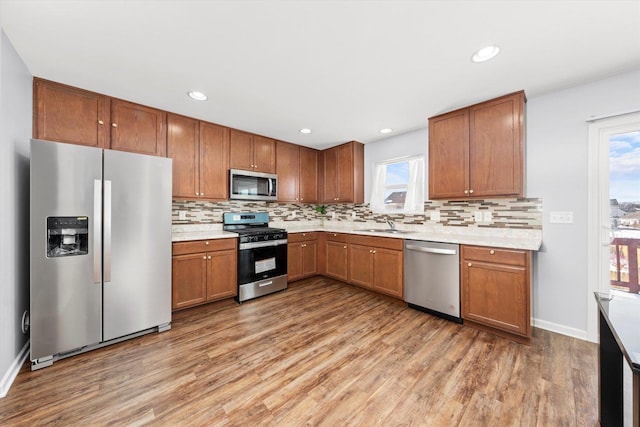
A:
<point x="15" y="131"/>
<point x="557" y="162"/>
<point x="556" y="172"/>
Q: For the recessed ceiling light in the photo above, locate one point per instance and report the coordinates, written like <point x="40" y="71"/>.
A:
<point x="386" y="130"/>
<point x="198" y="96"/>
<point x="485" y="54"/>
<point x="305" y="130"/>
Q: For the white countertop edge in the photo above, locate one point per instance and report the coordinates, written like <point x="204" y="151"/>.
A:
<point x="527" y="239"/>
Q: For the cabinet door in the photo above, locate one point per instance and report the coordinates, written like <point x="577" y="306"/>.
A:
<point x="308" y="178"/>
<point x="189" y="280"/>
<point x="264" y="154"/>
<point x="214" y="161"/>
<point x="496" y="295"/>
<point x="330" y="175"/>
<point x="310" y="259"/>
<point x="449" y="155"/>
<point x="388" y="272"/>
<point x="221" y="275"/>
<point x="294" y="261"/>
<point x="345" y="172"/>
<point x="336" y="260"/>
<point x="496" y="147"/>
<point x="183" y="135"/>
<point x="240" y="150"/>
<point x="137" y="128"/>
<point x="361" y="265"/>
<point x="67" y="114"/>
<point x="287" y="170"/>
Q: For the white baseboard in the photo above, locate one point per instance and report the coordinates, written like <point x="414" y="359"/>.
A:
<point x="12" y="373"/>
<point x="560" y="329"/>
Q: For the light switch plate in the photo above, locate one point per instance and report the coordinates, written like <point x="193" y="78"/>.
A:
<point x="434" y="215"/>
<point x="487" y="216"/>
<point x="182" y="215"/>
<point x="353" y="214"/>
<point x="478" y="216"/>
<point x="561" y="217"/>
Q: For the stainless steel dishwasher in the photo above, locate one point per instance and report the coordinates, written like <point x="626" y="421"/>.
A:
<point x="432" y="278"/>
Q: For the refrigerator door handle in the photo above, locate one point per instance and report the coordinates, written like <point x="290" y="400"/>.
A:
<point x="107" y="231"/>
<point x="97" y="227"/>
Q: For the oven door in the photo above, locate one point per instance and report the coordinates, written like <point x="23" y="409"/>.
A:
<point x="261" y="260"/>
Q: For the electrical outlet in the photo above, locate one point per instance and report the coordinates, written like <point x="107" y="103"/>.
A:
<point x="478" y="216"/>
<point x="561" y="217"/>
<point x="333" y="215"/>
<point x="487" y="216"/>
<point x="353" y="214"/>
<point x="434" y="215"/>
<point x="293" y="214"/>
<point x="182" y="215"/>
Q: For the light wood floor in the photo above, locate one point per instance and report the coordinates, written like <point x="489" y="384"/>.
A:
<point x="320" y="353"/>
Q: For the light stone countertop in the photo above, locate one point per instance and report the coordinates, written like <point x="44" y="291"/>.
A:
<point x="495" y="237"/>
<point x="186" y="232"/>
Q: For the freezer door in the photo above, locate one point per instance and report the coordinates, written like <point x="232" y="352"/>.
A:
<point x="65" y="291"/>
<point x="137" y="243"/>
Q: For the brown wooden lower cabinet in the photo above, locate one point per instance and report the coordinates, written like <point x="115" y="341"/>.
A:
<point x="377" y="263"/>
<point x="302" y="256"/>
<point x="495" y="290"/>
<point x="335" y="252"/>
<point x="203" y="271"/>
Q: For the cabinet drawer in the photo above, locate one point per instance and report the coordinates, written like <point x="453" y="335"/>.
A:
<point x="495" y="255"/>
<point x="377" y="242"/>
<point x="336" y="237"/>
<point x="194" y="246"/>
<point x="302" y="237"/>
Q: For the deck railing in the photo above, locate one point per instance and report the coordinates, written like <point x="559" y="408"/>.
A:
<point x="624" y="264"/>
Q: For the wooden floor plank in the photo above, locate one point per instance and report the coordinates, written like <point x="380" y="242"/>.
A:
<point x="320" y="353"/>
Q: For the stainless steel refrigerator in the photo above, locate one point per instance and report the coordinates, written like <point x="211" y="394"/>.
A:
<point x="100" y="248"/>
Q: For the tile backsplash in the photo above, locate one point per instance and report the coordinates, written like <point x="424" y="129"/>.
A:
<point x="522" y="213"/>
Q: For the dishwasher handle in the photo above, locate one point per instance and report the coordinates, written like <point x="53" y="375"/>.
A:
<point x="431" y="250"/>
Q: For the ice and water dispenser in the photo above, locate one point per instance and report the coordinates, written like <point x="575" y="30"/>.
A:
<point x="67" y="236"/>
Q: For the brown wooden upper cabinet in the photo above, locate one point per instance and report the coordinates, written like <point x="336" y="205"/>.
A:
<point x="297" y="169"/>
<point x="252" y="152"/>
<point x="67" y="114"/>
<point x="137" y="128"/>
<point x="76" y="116"/>
<point x="478" y="151"/>
<point x="200" y="153"/>
<point x="343" y="173"/>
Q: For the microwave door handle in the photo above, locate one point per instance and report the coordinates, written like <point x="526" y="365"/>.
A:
<point x="270" y="180"/>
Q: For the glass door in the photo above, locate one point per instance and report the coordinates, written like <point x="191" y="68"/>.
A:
<point x="624" y="211"/>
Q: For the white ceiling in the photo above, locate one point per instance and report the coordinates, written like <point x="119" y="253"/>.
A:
<point x="345" y="69"/>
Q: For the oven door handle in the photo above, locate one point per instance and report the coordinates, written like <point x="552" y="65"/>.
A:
<point x="266" y="244"/>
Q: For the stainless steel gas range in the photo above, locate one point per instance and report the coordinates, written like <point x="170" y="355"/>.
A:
<point x="262" y="254"/>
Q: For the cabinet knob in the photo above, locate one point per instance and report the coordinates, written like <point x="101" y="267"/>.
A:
<point x="304" y="234"/>
<point x="204" y="257"/>
<point x="100" y="122"/>
<point x="344" y="247"/>
<point x="301" y="199"/>
<point x="209" y="257"/>
<point x="492" y="252"/>
<point x="334" y="234"/>
<point x="115" y="125"/>
<point x="374" y="252"/>
<point x="304" y="246"/>
<point x="206" y="243"/>
<point x="470" y="191"/>
<point x="466" y="191"/>
<point x="469" y="265"/>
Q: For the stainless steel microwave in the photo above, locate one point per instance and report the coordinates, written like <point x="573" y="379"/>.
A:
<point x="249" y="185"/>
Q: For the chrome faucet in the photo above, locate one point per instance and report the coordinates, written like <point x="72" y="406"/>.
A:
<point x="392" y="225"/>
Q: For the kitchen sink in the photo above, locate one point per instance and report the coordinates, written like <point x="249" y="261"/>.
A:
<point x="385" y="230"/>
